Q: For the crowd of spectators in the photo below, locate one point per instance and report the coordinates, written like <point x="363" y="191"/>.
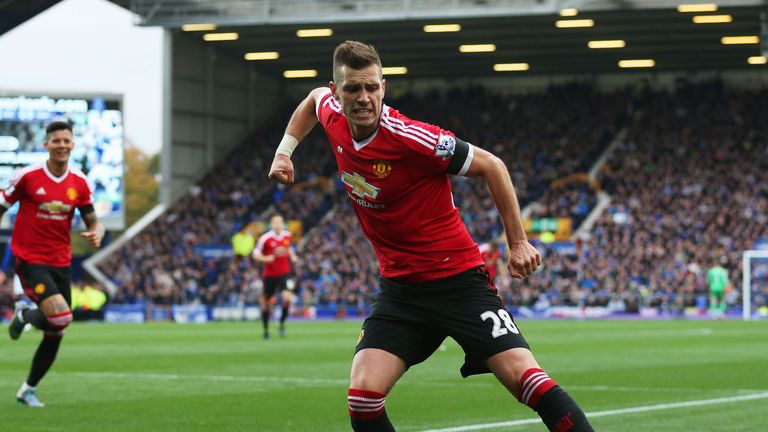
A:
<point x="6" y="296"/>
<point x="338" y="267"/>
<point x="167" y="262"/>
<point x="164" y="263"/>
<point x="540" y="137"/>
<point x="572" y="200"/>
<point x="688" y="186"/>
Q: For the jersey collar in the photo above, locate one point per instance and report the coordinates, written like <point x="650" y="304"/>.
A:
<point x="359" y="145"/>
<point x="53" y="177"/>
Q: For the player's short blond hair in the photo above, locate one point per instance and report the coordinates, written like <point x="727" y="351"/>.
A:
<point x="356" y="55"/>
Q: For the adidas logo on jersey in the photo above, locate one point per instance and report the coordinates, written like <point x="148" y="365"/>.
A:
<point x="40" y="191"/>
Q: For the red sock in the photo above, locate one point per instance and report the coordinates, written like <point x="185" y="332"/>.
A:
<point x="365" y="404"/>
<point x="366" y="411"/>
<point x="534" y="383"/>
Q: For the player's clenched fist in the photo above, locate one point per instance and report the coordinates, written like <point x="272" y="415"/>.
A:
<point x="281" y="170"/>
<point x="523" y="259"/>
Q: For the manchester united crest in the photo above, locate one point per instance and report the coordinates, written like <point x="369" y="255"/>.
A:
<point x="72" y="194"/>
<point x="381" y="168"/>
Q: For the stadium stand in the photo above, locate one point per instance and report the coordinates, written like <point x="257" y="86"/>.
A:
<point x="164" y="263"/>
<point x="687" y="185"/>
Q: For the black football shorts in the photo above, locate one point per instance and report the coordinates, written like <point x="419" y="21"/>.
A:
<point x="274" y="284"/>
<point x="412" y="320"/>
<point x="41" y="281"/>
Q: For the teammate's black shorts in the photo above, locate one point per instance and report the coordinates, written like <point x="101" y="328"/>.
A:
<point x="275" y="284"/>
<point x="412" y="320"/>
<point x="41" y="281"/>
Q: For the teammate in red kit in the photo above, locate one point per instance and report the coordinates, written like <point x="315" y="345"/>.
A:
<point x="275" y="250"/>
<point x="491" y="256"/>
<point x="48" y="193"/>
<point x="434" y="283"/>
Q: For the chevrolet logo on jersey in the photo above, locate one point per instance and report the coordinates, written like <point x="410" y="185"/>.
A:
<point x="56" y="207"/>
<point x="359" y="185"/>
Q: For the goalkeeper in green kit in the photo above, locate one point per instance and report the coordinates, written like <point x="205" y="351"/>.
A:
<point x="717" y="281"/>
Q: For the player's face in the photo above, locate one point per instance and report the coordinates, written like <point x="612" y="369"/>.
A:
<point x="277" y="223"/>
<point x="360" y="94"/>
<point x="59" y="145"/>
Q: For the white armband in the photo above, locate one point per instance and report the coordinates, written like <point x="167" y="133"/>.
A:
<point x="287" y="145"/>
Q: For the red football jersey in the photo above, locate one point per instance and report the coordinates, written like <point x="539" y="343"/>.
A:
<point x="41" y="234"/>
<point x="279" y="245"/>
<point x="492" y="256"/>
<point x="398" y="181"/>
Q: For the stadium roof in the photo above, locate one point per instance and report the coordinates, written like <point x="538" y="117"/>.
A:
<point x="15" y="12"/>
<point x="523" y="31"/>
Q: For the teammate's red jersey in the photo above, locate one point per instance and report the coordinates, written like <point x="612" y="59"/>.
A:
<point x="491" y="257"/>
<point x="279" y="245"/>
<point x="398" y="182"/>
<point x="41" y="234"/>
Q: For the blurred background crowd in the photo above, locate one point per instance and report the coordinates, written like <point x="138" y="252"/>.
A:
<point x="684" y="172"/>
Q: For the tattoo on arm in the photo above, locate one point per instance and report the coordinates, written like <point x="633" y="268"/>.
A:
<point x="90" y="219"/>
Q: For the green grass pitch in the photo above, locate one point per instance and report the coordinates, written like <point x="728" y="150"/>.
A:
<point x="223" y="377"/>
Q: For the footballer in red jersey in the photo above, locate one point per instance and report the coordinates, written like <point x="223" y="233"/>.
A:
<point x="434" y="283"/>
<point x="491" y="256"/>
<point x="275" y="250"/>
<point x="48" y="194"/>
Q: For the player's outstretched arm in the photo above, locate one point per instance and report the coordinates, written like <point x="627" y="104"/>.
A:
<point x="301" y="123"/>
<point x="523" y="258"/>
<point x="96" y="230"/>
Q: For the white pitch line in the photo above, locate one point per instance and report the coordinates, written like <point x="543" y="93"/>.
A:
<point x="693" y="403"/>
<point x="608" y="388"/>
